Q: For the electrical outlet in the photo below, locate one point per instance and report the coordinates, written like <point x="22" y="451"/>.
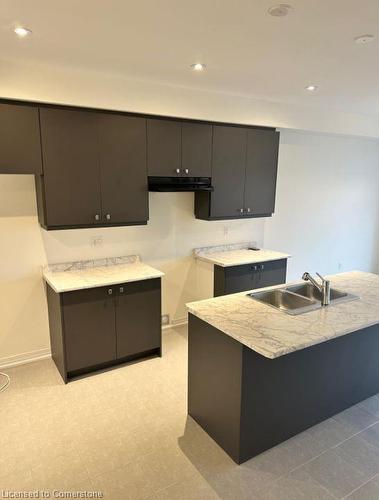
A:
<point x="97" y="241"/>
<point x="165" y="319"/>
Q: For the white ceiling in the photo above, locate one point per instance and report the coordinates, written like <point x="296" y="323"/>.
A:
<point x="247" y="52"/>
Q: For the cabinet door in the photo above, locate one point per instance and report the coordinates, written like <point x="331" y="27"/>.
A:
<point x="272" y="273"/>
<point x="163" y="147"/>
<point x="122" y="148"/>
<point x="261" y="171"/>
<point x="138" y="317"/>
<point x="196" y="149"/>
<point x="89" y="327"/>
<point x="71" y="167"/>
<point x="20" y="145"/>
<point x="228" y="171"/>
<point x="235" y="279"/>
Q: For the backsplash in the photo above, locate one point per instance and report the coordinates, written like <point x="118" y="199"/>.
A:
<point x="85" y="264"/>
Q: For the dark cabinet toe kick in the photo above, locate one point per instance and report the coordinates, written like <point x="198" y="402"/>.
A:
<point x="141" y="356"/>
<point x="248" y="403"/>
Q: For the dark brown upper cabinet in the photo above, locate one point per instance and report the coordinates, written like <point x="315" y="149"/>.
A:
<point x="244" y="169"/>
<point x="94" y="169"/>
<point x="71" y="180"/>
<point x="92" y="166"/>
<point x="164" y="147"/>
<point x="228" y="171"/>
<point x="261" y="171"/>
<point x="176" y="148"/>
<point x="122" y="147"/>
<point x="196" y="149"/>
<point x="20" y="147"/>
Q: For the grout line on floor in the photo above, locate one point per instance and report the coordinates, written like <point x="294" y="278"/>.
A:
<point x="356" y="489"/>
<point x="328" y="449"/>
<point x="334" y="446"/>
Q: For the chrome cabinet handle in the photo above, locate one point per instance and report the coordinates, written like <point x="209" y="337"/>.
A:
<point x="121" y="289"/>
<point x="248" y="210"/>
<point x="177" y="170"/>
<point x="97" y="217"/>
<point x="110" y="291"/>
<point x="262" y="267"/>
<point x="108" y="216"/>
<point x="186" y="170"/>
<point x="240" y="210"/>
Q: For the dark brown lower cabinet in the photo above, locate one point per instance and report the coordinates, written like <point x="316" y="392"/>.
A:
<point x="138" y="317"/>
<point x="245" y="277"/>
<point x="100" y="327"/>
<point x="89" y="327"/>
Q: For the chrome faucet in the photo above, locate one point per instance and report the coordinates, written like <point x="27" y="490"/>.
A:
<point x="324" y="288"/>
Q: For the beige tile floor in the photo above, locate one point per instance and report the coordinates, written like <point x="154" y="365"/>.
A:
<point x="126" y="433"/>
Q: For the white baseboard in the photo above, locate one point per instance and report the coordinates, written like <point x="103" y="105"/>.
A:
<point x="175" y="322"/>
<point x="30" y="357"/>
<point x="24" y="358"/>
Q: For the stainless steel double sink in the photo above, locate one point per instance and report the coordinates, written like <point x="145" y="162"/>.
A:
<point x="299" y="299"/>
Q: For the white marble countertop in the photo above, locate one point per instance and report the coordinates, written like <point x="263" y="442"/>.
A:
<point x="274" y="333"/>
<point x="70" y="276"/>
<point x="237" y="254"/>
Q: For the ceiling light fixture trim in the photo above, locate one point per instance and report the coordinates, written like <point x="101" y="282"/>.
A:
<point x="280" y="10"/>
<point x="364" y="39"/>
<point x="198" y="66"/>
<point x="22" y="32"/>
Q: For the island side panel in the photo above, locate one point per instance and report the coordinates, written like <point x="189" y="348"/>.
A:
<point x="284" y="396"/>
<point x="214" y="383"/>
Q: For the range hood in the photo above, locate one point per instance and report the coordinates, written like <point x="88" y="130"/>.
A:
<point x="173" y="184"/>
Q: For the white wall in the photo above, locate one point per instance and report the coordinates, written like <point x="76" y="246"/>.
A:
<point x="166" y="243"/>
<point x="326" y="213"/>
<point x="327" y="217"/>
<point x="38" y="82"/>
<point x="327" y="206"/>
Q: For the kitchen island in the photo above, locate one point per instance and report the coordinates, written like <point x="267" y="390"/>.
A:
<point x="257" y="376"/>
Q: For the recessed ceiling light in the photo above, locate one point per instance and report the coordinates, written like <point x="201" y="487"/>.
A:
<point x="311" y="88"/>
<point x="198" y="66"/>
<point x="280" y="10"/>
<point x="363" y="39"/>
<point x="22" y="32"/>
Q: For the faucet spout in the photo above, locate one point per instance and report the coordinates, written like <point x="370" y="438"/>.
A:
<point x="323" y="288"/>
